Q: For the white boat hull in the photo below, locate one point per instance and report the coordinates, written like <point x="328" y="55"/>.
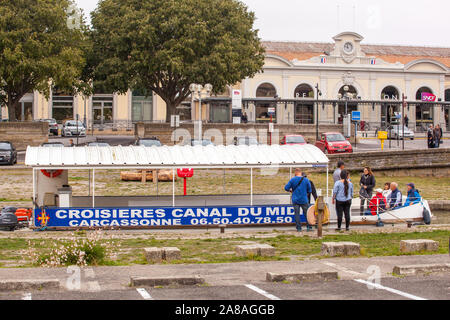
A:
<point x="412" y="213"/>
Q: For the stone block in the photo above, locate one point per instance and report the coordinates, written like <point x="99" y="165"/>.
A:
<point x="266" y="250"/>
<point x="303" y="276"/>
<point x="418" y="245"/>
<point x="154" y="255"/>
<point x="340" y="249"/>
<point x="246" y="250"/>
<point x="263" y="250"/>
<point x="171" y="253"/>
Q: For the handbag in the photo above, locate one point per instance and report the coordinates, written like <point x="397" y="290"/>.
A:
<point x="363" y="194"/>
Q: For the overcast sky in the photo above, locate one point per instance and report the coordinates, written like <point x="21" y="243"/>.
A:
<point x="407" y="22"/>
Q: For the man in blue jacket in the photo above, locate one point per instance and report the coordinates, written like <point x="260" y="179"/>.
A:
<point x="413" y="195"/>
<point x="300" y="187"/>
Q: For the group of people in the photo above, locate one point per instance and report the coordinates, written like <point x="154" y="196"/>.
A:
<point x="434" y="135"/>
<point x="373" y="201"/>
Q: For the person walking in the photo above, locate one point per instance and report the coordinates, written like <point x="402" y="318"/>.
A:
<point x="367" y="184"/>
<point x="431" y="137"/>
<point x="337" y="172"/>
<point x="342" y="198"/>
<point x="437" y="136"/>
<point x="406" y="120"/>
<point x="441" y="134"/>
<point x="300" y="187"/>
<point x="313" y="189"/>
<point x="244" y="118"/>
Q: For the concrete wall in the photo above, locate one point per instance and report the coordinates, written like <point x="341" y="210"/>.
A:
<point x="434" y="162"/>
<point x="23" y="134"/>
<point x="224" y="133"/>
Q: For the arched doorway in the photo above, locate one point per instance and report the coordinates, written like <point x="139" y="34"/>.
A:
<point x="348" y="96"/>
<point x="424" y="112"/>
<point x="388" y="109"/>
<point x="267" y="91"/>
<point x="447" y="110"/>
<point x="304" y="109"/>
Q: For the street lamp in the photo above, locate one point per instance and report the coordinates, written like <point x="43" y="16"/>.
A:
<point x="199" y="89"/>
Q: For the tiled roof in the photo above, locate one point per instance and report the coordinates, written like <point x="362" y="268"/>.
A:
<point x="392" y="54"/>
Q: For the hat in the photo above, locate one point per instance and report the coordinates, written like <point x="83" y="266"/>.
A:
<point x="379" y="190"/>
<point x="411" y="185"/>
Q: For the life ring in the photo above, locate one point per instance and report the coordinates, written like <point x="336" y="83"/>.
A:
<point x="313" y="213"/>
<point x="52" y="173"/>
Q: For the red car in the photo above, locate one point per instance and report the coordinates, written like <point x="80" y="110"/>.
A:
<point x="293" y="140"/>
<point x="334" y="142"/>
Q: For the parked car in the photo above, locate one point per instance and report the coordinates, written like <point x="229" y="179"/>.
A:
<point x="52" y="144"/>
<point x="334" y="142"/>
<point x="148" y="142"/>
<point x="52" y="126"/>
<point x="8" y="154"/>
<point x="245" y="141"/>
<point x="73" y="128"/>
<point x="293" y="140"/>
<point x="204" y="142"/>
<point x="398" y="132"/>
<point x="98" y="144"/>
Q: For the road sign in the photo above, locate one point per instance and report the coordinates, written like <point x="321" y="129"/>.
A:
<point x="356" y="115"/>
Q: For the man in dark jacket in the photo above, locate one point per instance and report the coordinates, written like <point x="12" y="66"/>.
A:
<point x="300" y="187"/>
<point x="367" y="183"/>
<point x="431" y="137"/>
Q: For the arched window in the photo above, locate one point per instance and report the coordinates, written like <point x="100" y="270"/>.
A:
<point x="304" y="110"/>
<point x="447" y="110"/>
<point x="348" y="95"/>
<point x="264" y="109"/>
<point x="389" y="110"/>
<point x="390" y="93"/>
<point x="304" y="91"/>
<point x="424" y="112"/>
<point x="349" y="91"/>
<point x="266" y="90"/>
<point x="422" y="90"/>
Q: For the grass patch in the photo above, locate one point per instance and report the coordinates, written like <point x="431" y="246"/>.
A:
<point x="125" y="252"/>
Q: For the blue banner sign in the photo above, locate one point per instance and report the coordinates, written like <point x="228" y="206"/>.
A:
<point x="166" y="217"/>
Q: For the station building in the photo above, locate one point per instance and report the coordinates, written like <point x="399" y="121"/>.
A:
<point x="349" y="75"/>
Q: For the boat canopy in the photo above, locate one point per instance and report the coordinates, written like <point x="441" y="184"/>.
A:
<point x="173" y="157"/>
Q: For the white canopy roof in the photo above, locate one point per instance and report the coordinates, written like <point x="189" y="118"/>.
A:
<point x="175" y="157"/>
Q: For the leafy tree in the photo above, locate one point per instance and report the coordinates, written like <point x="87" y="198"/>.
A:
<point x="165" y="45"/>
<point x="39" y="46"/>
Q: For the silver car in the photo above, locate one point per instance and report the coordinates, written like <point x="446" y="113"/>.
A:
<point x="73" y="128"/>
<point x="400" y="132"/>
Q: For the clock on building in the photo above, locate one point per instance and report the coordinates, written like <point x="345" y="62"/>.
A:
<point x="348" y="47"/>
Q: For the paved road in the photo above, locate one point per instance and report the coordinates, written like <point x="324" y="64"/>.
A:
<point x="429" y="287"/>
<point x="245" y="281"/>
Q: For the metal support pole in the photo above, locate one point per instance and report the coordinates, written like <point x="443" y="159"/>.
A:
<point x="224" y="190"/>
<point x="89" y="171"/>
<point x="173" y="187"/>
<point x="93" y="188"/>
<point x="290" y="173"/>
<point x="328" y="188"/>
<point x="251" y="186"/>
<point x="200" y="134"/>
<point x="34" y="196"/>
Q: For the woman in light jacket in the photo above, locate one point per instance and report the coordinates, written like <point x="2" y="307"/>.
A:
<point x="342" y="198"/>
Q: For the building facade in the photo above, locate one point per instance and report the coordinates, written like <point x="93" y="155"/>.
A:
<point x="349" y="75"/>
